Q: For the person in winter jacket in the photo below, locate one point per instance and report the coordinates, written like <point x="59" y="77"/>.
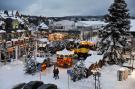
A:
<point x="56" y="73"/>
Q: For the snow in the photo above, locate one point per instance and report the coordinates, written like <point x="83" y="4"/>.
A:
<point x="89" y="23"/>
<point x="64" y="23"/>
<point x="71" y="39"/>
<point x="13" y="73"/>
<point x="14" y="39"/>
<point x="43" y="26"/>
<point x="40" y="59"/>
<point x="94" y="58"/>
<point x="123" y="69"/>
<point x="20" y="20"/>
<point x="20" y="30"/>
<point x="65" y="52"/>
<point x="1" y="22"/>
<point x="2" y="31"/>
<point x="43" y="40"/>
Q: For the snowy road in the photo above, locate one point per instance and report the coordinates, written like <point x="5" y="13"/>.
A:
<point x="12" y="74"/>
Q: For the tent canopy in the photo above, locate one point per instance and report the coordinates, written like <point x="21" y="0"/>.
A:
<point x="65" y="52"/>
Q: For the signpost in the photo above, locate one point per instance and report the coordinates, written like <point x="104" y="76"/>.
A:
<point x="39" y="68"/>
<point x="69" y="72"/>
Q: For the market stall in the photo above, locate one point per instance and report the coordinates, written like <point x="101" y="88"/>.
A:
<point x="82" y="52"/>
<point x="56" y="36"/>
<point x="87" y="43"/>
<point x="65" y="58"/>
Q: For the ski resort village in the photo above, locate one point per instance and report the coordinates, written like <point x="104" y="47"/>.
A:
<point x="68" y="51"/>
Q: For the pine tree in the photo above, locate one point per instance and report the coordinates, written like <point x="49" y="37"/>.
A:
<point x="114" y="34"/>
<point x="30" y="66"/>
<point x="78" y="71"/>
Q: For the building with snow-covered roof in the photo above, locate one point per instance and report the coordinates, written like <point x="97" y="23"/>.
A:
<point x="42" y="26"/>
<point x="64" y="25"/>
<point x="89" y="28"/>
<point x="92" y="24"/>
<point x="64" y="58"/>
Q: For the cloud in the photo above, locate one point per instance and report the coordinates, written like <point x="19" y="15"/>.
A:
<point x="62" y="7"/>
<point x="15" y="4"/>
<point x="68" y="7"/>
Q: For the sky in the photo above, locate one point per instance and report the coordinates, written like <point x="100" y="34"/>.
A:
<point x="62" y="7"/>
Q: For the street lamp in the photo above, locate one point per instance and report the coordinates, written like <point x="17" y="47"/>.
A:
<point x="133" y="55"/>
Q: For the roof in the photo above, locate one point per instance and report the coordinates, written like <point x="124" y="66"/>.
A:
<point x="1" y="22"/>
<point x="64" y="23"/>
<point x="92" y="59"/>
<point x="43" y="40"/>
<point x="65" y="52"/>
<point x="89" y="23"/>
<point x="14" y="39"/>
<point x="20" y="30"/>
<point x="43" y="26"/>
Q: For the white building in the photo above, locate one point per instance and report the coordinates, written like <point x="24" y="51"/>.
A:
<point x="64" y="25"/>
<point x="43" y="26"/>
<point x="90" y="24"/>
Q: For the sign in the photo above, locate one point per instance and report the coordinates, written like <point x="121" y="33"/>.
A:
<point x="69" y="72"/>
<point x="39" y="67"/>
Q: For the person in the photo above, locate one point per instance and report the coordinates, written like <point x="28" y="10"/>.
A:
<point x="56" y="73"/>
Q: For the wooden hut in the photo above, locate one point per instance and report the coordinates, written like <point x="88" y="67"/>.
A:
<point x="65" y="58"/>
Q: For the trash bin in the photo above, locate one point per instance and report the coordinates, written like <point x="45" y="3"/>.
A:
<point x="119" y="75"/>
<point x="122" y="74"/>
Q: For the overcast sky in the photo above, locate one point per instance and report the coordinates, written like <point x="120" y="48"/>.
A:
<point x="62" y="7"/>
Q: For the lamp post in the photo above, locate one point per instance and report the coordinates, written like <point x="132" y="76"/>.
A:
<point x="133" y="55"/>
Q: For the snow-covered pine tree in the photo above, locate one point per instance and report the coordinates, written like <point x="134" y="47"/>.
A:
<point x="79" y="71"/>
<point x="114" y="34"/>
<point x="30" y="66"/>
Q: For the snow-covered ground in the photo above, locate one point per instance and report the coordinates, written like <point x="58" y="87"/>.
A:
<point x="12" y="74"/>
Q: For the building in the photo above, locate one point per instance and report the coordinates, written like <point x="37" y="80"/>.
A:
<point x="64" y="25"/>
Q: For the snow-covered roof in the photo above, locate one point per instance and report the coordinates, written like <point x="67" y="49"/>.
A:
<point x="20" y="30"/>
<point x="43" y="40"/>
<point x="64" y="23"/>
<point x="89" y="23"/>
<point x="8" y="42"/>
<point x="123" y="69"/>
<point x="1" y="22"/>
<point x="2" y="31"/>
<point x="92" y="59"/>
<point x="3" y="15"/>
<point x="71" y="39"/>
<point x="43" y="26"/>
<point x="65" y="52"/>
<point x="14" y="39"/>
<point x="20" y="20"/>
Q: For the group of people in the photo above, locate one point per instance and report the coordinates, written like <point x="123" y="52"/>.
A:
<point x="56" y="73"/>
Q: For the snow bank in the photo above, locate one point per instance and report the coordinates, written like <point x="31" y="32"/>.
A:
<point x="94" y="58"/>
<point x="12" y="74"/>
